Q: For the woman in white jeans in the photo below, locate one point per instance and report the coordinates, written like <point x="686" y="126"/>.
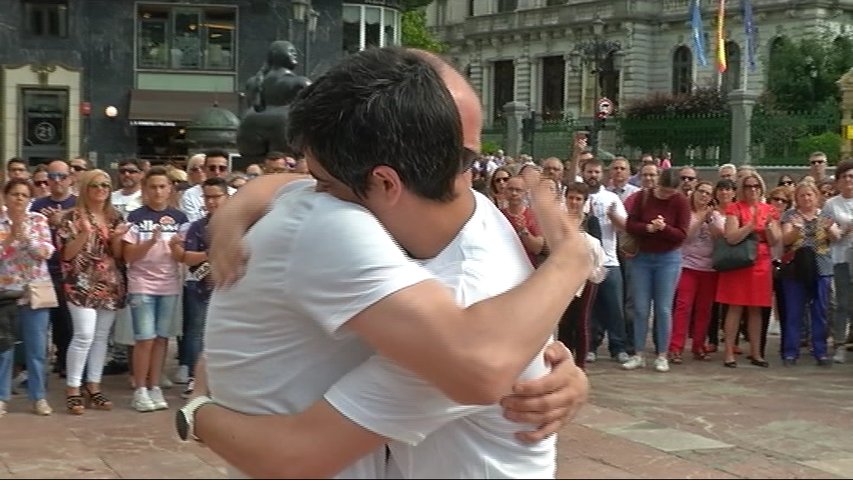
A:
<point x="90" y="243"/>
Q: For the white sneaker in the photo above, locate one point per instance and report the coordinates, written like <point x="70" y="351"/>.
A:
<point x="661" y="364"/>
<point x="188" y="392"/>
<point x="2" y="408"/>
<point x="591" y="357"/>
<point x="635" y="362"/>
<point x="622" y="357"/>
<point x="41" y="407"/>
<point x="840" y="354"/>
<point x="156" y="396"/>
<point x="142" y="401"/>
<point x="182" y="375"/>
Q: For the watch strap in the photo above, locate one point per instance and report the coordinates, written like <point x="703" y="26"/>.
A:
<point x="189" y="410"/>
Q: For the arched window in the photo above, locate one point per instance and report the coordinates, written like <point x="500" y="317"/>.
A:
<point x="682" y="70"/>
<point x="776" y="64"/>
<point x="731" y="77"/>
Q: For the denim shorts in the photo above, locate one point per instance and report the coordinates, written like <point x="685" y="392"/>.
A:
<point x="152" y="315"/>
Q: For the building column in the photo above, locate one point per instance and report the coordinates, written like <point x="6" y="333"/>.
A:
<point x="741" y="103"/>
<point x="637" y="63"/>
<point x="522" y="79"/>
<point x="571" y="89"/>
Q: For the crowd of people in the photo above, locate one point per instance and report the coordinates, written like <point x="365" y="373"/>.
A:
<point x="659" y="229"/>
<point x="125" y="257"/>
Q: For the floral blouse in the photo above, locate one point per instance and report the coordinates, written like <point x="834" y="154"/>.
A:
<point x="23" y="262"/>
<point x="92" y="279"/>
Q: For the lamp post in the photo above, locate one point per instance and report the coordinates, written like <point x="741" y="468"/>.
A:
<point x="304" y="13"/>
<point x="596" y="53"/>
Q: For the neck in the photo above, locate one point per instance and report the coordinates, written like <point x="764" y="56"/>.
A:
<point x="445" y="220"/>
<point x="618" y="183"/>
<point x="60" y="196"/>
<point x="130" y="190"/>
<point x="159" y="206"/>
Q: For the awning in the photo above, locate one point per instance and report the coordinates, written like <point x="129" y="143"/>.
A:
<point x="157" y="107"/>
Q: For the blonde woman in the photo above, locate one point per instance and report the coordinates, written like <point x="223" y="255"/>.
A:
<point x="748" y="215"/>
<point x="90" y="245"/>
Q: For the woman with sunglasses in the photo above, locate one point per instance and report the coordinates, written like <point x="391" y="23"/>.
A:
<point x="749" y="215"/>
<point x="41" y="186"/>
<point x="497" y="186"/>
<point x="25" y="246"/>
<point x="786" y="181"/>
<point x="697" y="285"/>
<point x="90" y="244"/>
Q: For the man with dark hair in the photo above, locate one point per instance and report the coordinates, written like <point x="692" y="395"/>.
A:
<point x="215" y="166"/>
<point x="275" y="162"/>
<point x="839" y="209"/>
<point x="320" y="266"/>
<point x="17" y="168"/>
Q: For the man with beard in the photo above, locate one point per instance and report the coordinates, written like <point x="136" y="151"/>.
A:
<point x="607" y="312"/>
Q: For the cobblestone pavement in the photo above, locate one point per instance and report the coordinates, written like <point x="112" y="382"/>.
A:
<point x="698" y="421"/>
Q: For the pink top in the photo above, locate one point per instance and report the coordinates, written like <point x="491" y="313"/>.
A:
<point x="23" y="262"/>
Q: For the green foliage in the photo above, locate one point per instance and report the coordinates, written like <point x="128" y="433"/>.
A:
<point x="828" y="143"/>
<point x="488" y="147"/>
<point x="703" y="101"/>
<point x="415" y="33"/>
<point x="801" y="75"/>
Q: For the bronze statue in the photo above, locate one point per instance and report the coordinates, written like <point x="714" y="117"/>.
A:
<point x="269" y="93"/>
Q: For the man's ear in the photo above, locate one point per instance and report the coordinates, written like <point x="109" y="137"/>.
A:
<point x="386" y="182"/>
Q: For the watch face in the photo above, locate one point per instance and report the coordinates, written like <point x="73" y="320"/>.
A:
<point x="181" y="425"/>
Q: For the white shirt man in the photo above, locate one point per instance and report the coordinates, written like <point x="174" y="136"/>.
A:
<point x="329" y="287"/>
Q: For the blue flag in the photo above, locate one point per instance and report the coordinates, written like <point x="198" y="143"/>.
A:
<point x="749" y="28"/>
<point x="698" y="33"/>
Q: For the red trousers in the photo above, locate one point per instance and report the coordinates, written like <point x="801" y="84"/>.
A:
<point x="694" y="298"/>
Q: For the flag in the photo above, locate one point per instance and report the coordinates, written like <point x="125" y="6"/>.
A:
<point x="749" y="27"/>
<point x="698" y="33"/>
<point x="721" y="37"/>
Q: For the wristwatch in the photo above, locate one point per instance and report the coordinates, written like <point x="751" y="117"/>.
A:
<point x="185" y="417"/>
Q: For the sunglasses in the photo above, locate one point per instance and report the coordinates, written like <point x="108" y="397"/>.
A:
<point x="195" y="169"/>
<point x="501" y="179"/>
<point x="106" y="185"/>
<point x="778" y="199"/>
<point x="40" y="183"/>
<point x="57" y="176"/>
<point x="685" y="178"/>
<point x="78" y="168"/>
<point x="817" y="162"/>
<point x="752" y="185"/>
<point x="786" y="182"/>
<point x="217" y="168"/>
<point x="128" y="171"/>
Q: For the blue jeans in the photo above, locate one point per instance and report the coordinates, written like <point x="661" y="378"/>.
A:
<point x="34" y="325"/>
<point x="195" y="319"/>
<point x="6" y="361"/>
<point x="654" y="277"/>
<point x="796" y="300"/>
<point x="152" y="315"/>
<point x="607" y="314"/>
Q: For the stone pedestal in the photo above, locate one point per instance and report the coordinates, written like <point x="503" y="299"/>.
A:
<point x="845" y="84"/>
<point x="741" y="104"/>
<point x="514" y="112"/>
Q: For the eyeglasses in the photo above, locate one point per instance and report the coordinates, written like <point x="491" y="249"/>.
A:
<point x="78" y="168"/>
<point x="786" y="182"/>
<point x="755" y="186"/>
<point x="817" y="162"/>
<point x="687" y="178"/>
<point x="128" y="171"/>
<point x="40" y="183"/>
<point x="501" y="179"/>
<point x="217" y="168"/>
<point x="704" y="192"/>
<point x="779" y="199"/>
<point x="106" y="185"/>
<point x="195" y="169"/>
<point x="57" y="176"/>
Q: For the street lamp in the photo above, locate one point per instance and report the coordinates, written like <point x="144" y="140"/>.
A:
<point x="303" y="12"/>
<point x="605" y="57"/>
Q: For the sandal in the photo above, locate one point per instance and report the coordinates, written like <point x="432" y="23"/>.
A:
<point x="701" y="356"/>
<point x="675" y="358"/>
<point x="97" y="400"/>
<point x="74" y="404"/>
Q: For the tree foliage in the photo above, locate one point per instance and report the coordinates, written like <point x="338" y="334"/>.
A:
<point x="801" y="75"/>
<point x="702" y="101"/>
<point x="415" y="33"/>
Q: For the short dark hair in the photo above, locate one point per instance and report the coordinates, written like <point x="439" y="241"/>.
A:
<point x="725" y="184"/>
<point x="842" y="168"/>
<point x="215" y="152"/>
<point x="156" y="171"/>
<point x="219" y="182"/>
<point x="594" y="161"/>
<point x="274" y="155"/>
<point x="17" y="160"/>
<point x="578" y="187"/>
<point x="130" y="161"/>
<point x="669" y="178"/>
<point x="17" y="181"/>
<point x="382" y="106"/>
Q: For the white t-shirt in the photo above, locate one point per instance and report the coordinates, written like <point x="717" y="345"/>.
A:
<point x="840" y="210"/>
<point x="192" y="202"/>
<point x="599" y="204"/>
<point x="271" y="340"/>
<point x="126" y="203"/>
<point x="434" y="436"/>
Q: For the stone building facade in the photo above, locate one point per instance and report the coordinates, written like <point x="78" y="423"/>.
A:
<point x="521" y="49"/>
<point x="110" y="79"/>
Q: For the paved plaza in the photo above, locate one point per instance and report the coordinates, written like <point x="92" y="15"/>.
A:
<point x="698" y="421"/>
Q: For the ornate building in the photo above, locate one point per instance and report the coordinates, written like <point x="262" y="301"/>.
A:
<point x="522" y="49"/>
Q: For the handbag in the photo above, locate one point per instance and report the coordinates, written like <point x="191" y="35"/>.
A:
<point x="627" y="243"/>
<point x="42" y="295"/>
<point x="732" y="257"/>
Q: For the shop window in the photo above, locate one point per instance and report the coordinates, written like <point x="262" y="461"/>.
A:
<point x="186" y="38"/>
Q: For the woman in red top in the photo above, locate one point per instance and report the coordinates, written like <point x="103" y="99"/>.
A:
<point x="522" y="220"/>
<point x="749" y="287"/>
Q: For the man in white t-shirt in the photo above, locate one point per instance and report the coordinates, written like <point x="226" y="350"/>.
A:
<point x="358" y="283"/>
<point x="839" y="209"/>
